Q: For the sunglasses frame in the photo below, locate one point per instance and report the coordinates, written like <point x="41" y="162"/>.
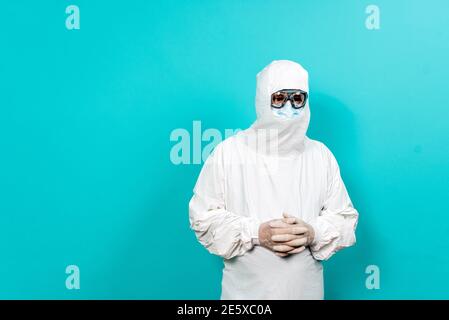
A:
<point x="289" y="93"/>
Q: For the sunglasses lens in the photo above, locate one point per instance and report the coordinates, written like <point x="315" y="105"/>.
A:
<point x="278" y="98"/>
<point x="299" y="99"/>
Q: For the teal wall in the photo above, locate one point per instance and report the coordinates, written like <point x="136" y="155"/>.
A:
<point x="86" y="117"/>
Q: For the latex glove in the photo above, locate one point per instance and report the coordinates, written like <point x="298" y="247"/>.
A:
<point x="299" y="241"/>
<point x="282" y="237"/>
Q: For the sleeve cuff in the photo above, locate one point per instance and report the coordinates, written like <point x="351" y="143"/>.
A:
<point x="253" y="230"/>
<point x="324" y="234"/>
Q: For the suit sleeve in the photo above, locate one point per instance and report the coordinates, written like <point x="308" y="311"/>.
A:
<point x="335" y="226"/>
<point x="220" y="231"/>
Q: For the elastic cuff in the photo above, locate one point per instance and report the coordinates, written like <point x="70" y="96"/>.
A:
<point x="254" y="230"/>
<point x="317" y="235"/>
<point x="250" y="232"/>
<point x="325" y="233"/>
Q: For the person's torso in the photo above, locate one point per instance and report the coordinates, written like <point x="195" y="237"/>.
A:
<point x="265" y="187"/>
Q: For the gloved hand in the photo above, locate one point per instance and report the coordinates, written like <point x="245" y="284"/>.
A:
<point x="284" y="236"/>
<point x="299" y="241"/>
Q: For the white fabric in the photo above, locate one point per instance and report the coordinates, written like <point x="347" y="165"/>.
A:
<point x="241" y="186"/>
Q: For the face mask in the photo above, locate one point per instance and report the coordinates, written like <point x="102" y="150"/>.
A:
<point x="287" y="111"/>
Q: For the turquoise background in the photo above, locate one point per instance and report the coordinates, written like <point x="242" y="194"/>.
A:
<point x="86" y="117"/>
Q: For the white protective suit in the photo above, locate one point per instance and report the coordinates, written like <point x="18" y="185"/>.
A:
<point x="244" y="182"/>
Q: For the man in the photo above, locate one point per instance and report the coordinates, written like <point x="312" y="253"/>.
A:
<point x="273" y="205"/>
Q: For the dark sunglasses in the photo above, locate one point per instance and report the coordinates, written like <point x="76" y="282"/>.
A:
<point x="297" y="98"/>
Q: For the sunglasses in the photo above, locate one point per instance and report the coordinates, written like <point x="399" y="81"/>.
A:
<point x="297" y="98"/>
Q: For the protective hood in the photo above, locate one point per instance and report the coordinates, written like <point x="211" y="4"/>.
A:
<point x="270" y="134"/>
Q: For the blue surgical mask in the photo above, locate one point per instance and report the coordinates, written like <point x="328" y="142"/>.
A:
<point x="287" y="111"/>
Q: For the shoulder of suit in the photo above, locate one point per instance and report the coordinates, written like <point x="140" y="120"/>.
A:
<point x="224" y="145"/>
<point x="316" y="145"/>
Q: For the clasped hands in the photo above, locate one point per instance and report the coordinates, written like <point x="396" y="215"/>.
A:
<point x="286" y="236"/>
